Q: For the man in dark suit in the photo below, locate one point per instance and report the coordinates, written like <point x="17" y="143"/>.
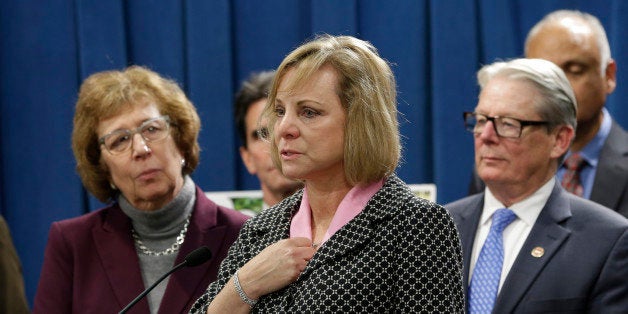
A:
<point x="577" y="43"/>
<point x="553" y="251"/>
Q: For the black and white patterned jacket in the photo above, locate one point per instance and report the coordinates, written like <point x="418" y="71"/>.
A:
<point x="401" y="254"/>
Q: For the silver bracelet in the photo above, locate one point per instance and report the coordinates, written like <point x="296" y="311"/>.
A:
<point x="241" y="293"/>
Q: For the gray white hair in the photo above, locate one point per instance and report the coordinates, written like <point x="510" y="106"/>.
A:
<point x="557" y="104"/>
<point x="587" y="20"/>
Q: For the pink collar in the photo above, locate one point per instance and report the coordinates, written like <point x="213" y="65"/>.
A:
<point x="352" y="204"/>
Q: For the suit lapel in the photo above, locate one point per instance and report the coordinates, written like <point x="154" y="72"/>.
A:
<point x="467" y="227"/>
<point x="116" y="251"/>
<point x="202" y="231"/>
<point x="273" y="227"/>
<point x="548" y="234"/>
<point x="610" y="177"/>
<point x="353" y="236"/>
<point x="360" y="229"/>
<point x="467" y="215"/>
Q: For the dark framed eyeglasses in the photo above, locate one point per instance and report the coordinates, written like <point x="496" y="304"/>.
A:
<point x="152" y="130"/>
<point x="504" y="126"/>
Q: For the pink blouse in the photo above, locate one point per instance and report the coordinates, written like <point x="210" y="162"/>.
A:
<point x="350" y="206"/>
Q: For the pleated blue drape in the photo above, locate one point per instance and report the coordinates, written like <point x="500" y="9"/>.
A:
<point x="209" y="47"/>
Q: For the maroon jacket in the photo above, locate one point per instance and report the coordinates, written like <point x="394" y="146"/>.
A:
<point x="91" y="266"/>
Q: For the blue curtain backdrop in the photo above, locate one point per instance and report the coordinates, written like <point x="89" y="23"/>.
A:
<point x="209" y="47"/>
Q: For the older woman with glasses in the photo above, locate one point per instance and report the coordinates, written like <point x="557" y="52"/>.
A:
<point x="135" y="143"/>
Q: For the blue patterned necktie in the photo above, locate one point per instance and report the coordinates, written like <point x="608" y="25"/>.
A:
<point x="488" y="269"/>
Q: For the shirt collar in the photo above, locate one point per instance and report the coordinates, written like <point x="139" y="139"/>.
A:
<point x="351" y="205"/>
<point x="591" y="152"/>
<point x="526" y="210"/>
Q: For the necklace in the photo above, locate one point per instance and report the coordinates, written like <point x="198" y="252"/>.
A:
<point x="172" y="249"/>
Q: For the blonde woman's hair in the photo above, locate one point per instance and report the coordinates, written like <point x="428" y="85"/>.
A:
<point x="367" y="90"/>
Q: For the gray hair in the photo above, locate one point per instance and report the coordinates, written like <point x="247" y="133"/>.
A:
<point x="587" y="20"/>
<point x="558" y="103"/>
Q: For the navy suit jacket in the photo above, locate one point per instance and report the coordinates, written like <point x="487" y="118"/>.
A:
<point x="610" y="185"/>
<point x="91" y="266"/>
<point x="584" y="267"/>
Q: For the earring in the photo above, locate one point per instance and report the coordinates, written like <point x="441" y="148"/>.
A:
<point x="113" y="186"/>
<point x="182" y="162"/>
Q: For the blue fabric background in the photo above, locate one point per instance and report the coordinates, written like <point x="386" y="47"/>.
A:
<point x="209" y="47"/>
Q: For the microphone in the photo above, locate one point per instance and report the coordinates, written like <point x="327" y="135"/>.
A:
<point x="195" y="258"/>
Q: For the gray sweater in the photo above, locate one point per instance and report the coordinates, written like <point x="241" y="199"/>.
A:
<point x="158" y="231"/>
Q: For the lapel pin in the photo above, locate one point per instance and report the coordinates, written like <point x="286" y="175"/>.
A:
<point x="537" y="251"/>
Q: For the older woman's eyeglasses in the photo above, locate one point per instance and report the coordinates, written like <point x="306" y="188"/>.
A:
<point x="504" y="126"/>
<point x="152" y="130"/>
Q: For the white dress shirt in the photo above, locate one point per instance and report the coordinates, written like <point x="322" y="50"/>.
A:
<point x="517" y="232"/>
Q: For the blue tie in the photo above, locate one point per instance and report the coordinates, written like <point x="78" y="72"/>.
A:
<point x="488" y="269"/>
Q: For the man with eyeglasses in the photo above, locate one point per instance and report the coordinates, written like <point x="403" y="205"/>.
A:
<point x="529" y="246"/>
<point x="596" y="166"/>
